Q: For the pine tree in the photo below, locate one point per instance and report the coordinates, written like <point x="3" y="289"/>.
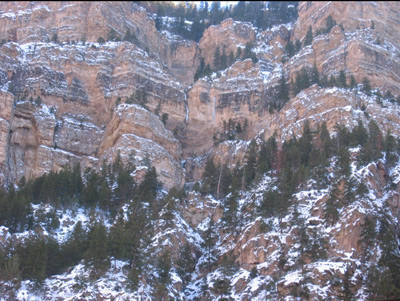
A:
<point x="250" y="166"/>
<point x="119" y="240"/>
<point x="368" y="233"/>
<point x="366" y="86"/>
<point x="297" y="46"/>
<point x="359" y="134"/>
<point x="164" y="266"/>
<point x="305" y="144"/>
<point x="326" y="143"/>
<point x="342" y="79"/>
<point x="283" y="89"/>
<point x="331" y="207"/>
<point x="200" y="72"/>
<point x="290" y="50"/>
<point x="315" y="75"/>
<point x="33" y="259"/>
<point x="353" y="82"/>
<point x="147" y="190"/>
<point x="330" y="22"/>
<point x="223" y="60"/>
<point x="113" y="35"/>
<point x="210" y="178"/>
<point x="158" y="23"/>
<point x="309" y="37"/>
<point x="302" y="81"/>
<point x="76" y="245"/>
<point x="238" y="53"/>
<point x="209" y="240"/>
<point x="96" y="253"/>
<point x="186" y="263"/>
<point x="347" y="293"/>
<point x="231" y="206"/>
<point x="231" y="58"/>
<point x="344" y="161"/>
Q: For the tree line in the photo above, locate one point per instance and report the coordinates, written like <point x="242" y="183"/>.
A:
<point x="202" y="17"/>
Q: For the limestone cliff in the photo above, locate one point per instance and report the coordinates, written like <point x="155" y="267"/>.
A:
<point x="65" y="98"/>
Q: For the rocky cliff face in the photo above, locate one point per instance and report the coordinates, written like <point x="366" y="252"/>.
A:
<point x="78" y="88"/>
<point x="366" y="44"/>
<point x="65" y="102"/>
<point x="88" y="77"/>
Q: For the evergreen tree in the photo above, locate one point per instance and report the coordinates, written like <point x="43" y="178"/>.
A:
<point x="368" y="233"/>
<point x="273" y="203"/>
<point x="331" y="207"/>
<point x="119" y="240"/>
<point x="96" y="253"/>
<point x="353" y="82"/>
<point x="344" y="161"/>
<point x="315" y="75"/>
<point x="366" y="86"/>
<point x="158" y="23"/>
<point x="266" y="156"/>
<point x="231" y="58"/>
<point x="33" y="258"/>
<point x="147" y="190"/>
<point x="297" y="46"/>
<point x="302" y="81"/>
<point x="250" y="166"/>
<point x="164" y="266"/>
<point x="76" y="245"/>
<point x="342" y="79"/>
<point x="113" y="35"/>
<point x="305" y="144"/>
<point x="125" y="185"/>
<point x="210" y="178"/>
<point x="309" y="37"/>
<point x="359" y="134"/>
<point x="197" y="30"/>
<point x="54" y="38"/>
<point x="54" y="260"/>
<point x="209" y="240"/>
<point x="347" y="293"/>
<point x="330" y="22"/>
<point x="200" y="70"/>
<point x="223" y="59"/>
<point x="231" y="206"/>
<point x="326" y="143"/>
<point x="290" y="50"/>
<point x="186" y="263"/>
<point x="371" y="151"/>
<point x="283" y="89"/>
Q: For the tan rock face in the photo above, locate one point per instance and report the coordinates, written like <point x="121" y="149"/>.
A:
<point x="334" y="106"/>
<point x="271" y="43"/>
<point x="229" y="35"/>
<point x="6" y="101"/>
<point x="241" y="93"/>
<point x="89" y="79"/>
<point x="368" y="47"/>
<point x="76" y="21"/>
<point x="138" y="134"/>
<point x="78" y="87"/>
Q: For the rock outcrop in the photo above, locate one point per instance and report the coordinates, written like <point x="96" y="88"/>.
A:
<point x="65" y="97"/>
<point x="365" y="43"/>
<point x="228" y="37"/>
